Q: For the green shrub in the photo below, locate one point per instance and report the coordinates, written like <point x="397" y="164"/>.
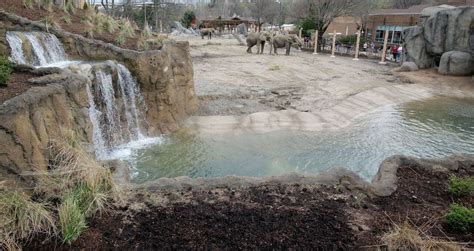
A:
<point x="5" y="71"/>
<point x="459" y="187"/>
<point x="460" y="219"/>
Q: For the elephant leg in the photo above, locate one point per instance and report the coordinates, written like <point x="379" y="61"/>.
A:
<point x="275" y="49"/>
<point x="263" y="46"/>
<point x="202" y="36"/>
<point x="249" y="50"/>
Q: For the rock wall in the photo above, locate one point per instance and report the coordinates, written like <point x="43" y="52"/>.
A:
<point x="165" y="76"/>
<point x="443" y="29"/>
<point x="30" y="121"/>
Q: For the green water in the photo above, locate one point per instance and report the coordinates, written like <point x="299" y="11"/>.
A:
<point x="432" y="128"/>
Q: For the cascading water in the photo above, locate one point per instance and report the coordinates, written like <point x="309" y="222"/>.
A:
<point x="115" y="101"/>
<point x="116" y="107"/>
<point x="35" y="48"/>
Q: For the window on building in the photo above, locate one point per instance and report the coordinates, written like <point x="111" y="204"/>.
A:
<point x="379" y="36"/>
<point x="397" y="37"/>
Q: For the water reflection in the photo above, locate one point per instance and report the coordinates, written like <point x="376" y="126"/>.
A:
<point x="432" y="128"/>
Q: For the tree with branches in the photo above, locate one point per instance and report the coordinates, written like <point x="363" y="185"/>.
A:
<point x="323" y="12"/>
<point x="264" y="11"/>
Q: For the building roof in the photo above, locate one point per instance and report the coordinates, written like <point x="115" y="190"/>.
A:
<point x="413" y="10"/>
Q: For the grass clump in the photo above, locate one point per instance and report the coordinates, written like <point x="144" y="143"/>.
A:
<point x="460" y="187"/>
<point x="69" y="7"/>
<point x="5" y="70"/>
<point x="22" y="218"/>
<point x="50" y="22"/>
<point x="460" y="219"/>
<point x="67" y="19"/>
<point x="76" y="186"/>
<point x="120" y="39"/>
<point x="72" y="220"/>
<point x="127" y="28"/>
<point x="406" y="237"/>
<point x="109" y="24"/>
<point x="28" y="3"/>
<point x="274" y="67"/>
<point x="46" y="5"/>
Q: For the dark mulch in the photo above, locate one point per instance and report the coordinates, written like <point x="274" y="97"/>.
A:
<point x="273" y="217"/>
<point x="36" y="14"/>
<point x="422" y="199"/>
<point x="17" y="84"/>
<point x="270" y="217"/>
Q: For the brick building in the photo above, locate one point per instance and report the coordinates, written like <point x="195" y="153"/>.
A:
<point x="391" y="20"/>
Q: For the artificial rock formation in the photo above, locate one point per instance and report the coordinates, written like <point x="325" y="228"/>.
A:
<point x="443" y="29"/>
<point x="31" y="120"/>
<point x="165" y="76"/>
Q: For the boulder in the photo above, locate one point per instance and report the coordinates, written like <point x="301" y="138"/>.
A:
<point x="415" y="47"/>
<point x="409" y="66"/>
<point x="449" y="30"/>
<point x="456" y="63"/>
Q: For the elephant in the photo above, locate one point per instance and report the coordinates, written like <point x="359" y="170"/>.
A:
<point x="259" y="39"/>
<point x="285" y="41"/>
<point x="207" y="32"/>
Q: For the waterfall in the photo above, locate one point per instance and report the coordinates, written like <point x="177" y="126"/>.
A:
<point x="115" y="103"/>
<point x="131" y="94"/>
<point x="35" y="48"/>
<point x="115" y="108"/>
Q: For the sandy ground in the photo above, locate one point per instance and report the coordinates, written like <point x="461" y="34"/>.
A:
<point x="237" y="89"/>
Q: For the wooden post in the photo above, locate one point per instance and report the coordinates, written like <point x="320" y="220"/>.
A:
<point x="333" y="53"/>
<point x="356" y="57"/>
<point x="316" y="35"/>
<point x="384" y="50"/>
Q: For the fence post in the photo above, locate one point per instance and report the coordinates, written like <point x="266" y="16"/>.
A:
<point x="384" y="49"/>
<point x="316" y="36"/>
<point x="356" y="57"/>
<point x="333" y="53"/>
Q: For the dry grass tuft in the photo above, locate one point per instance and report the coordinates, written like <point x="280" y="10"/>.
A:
<point x="21" y="218"/>
<point x="274" y="67"/>
<point x="406" y="237"/>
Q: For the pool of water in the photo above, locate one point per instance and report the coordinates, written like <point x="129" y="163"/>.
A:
<point x="431" y="128"/>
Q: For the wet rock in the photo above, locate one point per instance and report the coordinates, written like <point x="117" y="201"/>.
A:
<point x="456" y="63"/>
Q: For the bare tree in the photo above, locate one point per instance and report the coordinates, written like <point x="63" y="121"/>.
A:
<point x="403" y="4"/>
<point x="323" y="12"/>
<point x="264" y="11"/>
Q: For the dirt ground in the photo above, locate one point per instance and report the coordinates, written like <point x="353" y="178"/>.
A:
<point x="273" y="216"/>
<point x="231" y="82"/>
<point x="17" y="84"/>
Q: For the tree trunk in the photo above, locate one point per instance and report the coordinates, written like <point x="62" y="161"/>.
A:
<point x="113" y="8"/>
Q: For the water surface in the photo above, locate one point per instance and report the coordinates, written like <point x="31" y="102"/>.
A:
<point x="431" y="128"/>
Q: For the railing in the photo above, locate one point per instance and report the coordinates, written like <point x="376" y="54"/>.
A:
<point x="349" y="51"/>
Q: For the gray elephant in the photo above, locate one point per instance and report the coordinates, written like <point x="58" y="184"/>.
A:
<point x="207" y="32"/>
<point x="259" y="39"/>
<point x="285" y="41"/>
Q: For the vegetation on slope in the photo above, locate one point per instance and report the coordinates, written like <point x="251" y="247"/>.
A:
<point x="74" y="189"/>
